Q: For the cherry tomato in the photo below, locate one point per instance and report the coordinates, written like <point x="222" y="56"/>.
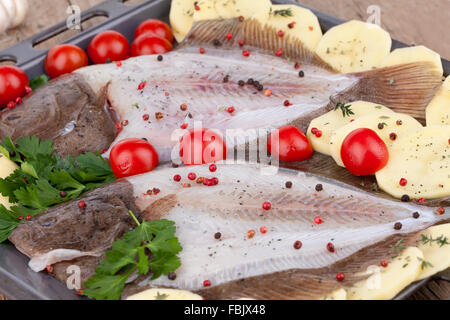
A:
<point x="147" y="44"/>
<point x="133" y="156"/>
<point x="64" y="59"/>
<point x="289" y="144"/>
<point x="12" y="84"/>
<point x="155" y="28"/>
<point x="108" y="46"/>
<point x="202" y="146"/>
<point x="363" y="152"/>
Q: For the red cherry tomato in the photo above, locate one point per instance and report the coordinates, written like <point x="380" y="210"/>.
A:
<point x="289" y="144"/>
<point x="202" y="146"/>
<point x="363" y="152"/>
<point x="133" y="156"/>
<point x="147" y="44"/>
<point x="154" y="28"/>
<point x="64" y="59"/>
<point x="12" y="84"/>
<point x="108" y="46"/>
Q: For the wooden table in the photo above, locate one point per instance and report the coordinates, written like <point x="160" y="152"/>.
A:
<point x="411" y="21"/>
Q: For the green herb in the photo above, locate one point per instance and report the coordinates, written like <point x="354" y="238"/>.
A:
<point x="397" y="248"/>
<point x="42" y="176"/>
<point x="425" y="264"/>
<point x="441" y="240"/>
<point x="136" y="105"/>
<point x="375" y="187"/>
<point x="39" y="81"/>
<point x="161" y="296"/>
<point x="150" y="248"/>
<point x="346" y="111"/>
<point x="283" y="12"/>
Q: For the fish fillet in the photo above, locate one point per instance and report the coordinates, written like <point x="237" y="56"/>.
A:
<point x="143" y="95"/>
<point x="357" y="223"/>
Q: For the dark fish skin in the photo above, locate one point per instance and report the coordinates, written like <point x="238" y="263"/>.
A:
<point x="69" y="105"/>
<point x="105" y="218"/>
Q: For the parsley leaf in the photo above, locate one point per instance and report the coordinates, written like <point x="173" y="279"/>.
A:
<point x="39" y="81"/>
<point x="42" y="177"/>
<point x="150" y="248"/>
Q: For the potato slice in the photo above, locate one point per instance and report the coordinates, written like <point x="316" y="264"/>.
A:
<point x="386" y="283"/>
<point x="207" y="11"/>
<point x="355" y="46"/>
<point x="225" y="9"/>
<point x="165" y="294"/>
<point x="436" y="254"/>
<point x="384" y="124"/>
<point x="335" y="119"/>
<point x="423" y="159"/>
<point x="306" y="27"/>
<point x="248" y="8"/>
<point x="339" y="294"/>
<point x="6" y="168"/>
<point x="181" y="17"/>
<point x="414" y="54"/>
<point x="438" y="111"/>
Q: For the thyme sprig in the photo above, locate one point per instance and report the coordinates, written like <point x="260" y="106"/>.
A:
<point x="441" y="240"/>
<point x="283" y="12"/>
<point x="397" y="248"/>
<point x="345" y="108"/>
<point x="424" y="264"/>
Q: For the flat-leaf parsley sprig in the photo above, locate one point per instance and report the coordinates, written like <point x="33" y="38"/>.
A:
<point x="151" y="248"/>
<point x="45" y="179"/>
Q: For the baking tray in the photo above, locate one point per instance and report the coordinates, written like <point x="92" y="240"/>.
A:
<point x="17" y="281"/>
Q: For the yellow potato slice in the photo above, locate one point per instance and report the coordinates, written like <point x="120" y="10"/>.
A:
<point x="306" y="25"/>
<point x="399" y="124"/>
<point x="355" y="46"/>
<point x="438" y="111"/>
<point x="6" y="168"/>
<point x="436" y="250"/>
<point x="225" y="9"/>
<point x="423" y="159"/>
<point x="165" y="294"/>
<point x="335" y="119"/>
<point x="386" y="283"/>
<point x="181" y="17"/>
<point x="339" y="294"/>
<point x="414" y="54"/>
<point x="207" y="11"/>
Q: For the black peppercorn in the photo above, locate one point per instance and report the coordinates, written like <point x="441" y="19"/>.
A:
<point x="397" y="226"/>
<point x="250" y="81"/>
<point x="416" y="215"/>
<point x="160" y="58"/>
<point x="289" y="184"/>
<point x="301" y="74"/>
<point x="172" y="276"/>
<point x="405" y="198"/>
<point x="241" y="83"/>
<point x="319" y="187"/>
<point x="217" y="235"/>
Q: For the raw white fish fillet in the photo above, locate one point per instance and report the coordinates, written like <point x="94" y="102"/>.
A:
<point x="352" y="220"/>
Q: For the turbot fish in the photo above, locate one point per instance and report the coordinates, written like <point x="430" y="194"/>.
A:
<point x="255" y="72"/>
<point x="242" y="247"/>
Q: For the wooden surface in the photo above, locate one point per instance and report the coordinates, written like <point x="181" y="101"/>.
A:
<point x="424" y="22"/>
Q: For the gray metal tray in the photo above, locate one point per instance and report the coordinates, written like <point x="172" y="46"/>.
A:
<point x="17" y="281"/>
